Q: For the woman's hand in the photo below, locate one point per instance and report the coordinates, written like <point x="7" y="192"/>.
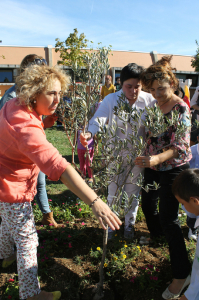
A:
<point x="154" y="160"/>
<point x="105" y="215"/>
<point x="84" y="137"/>
<point x="147" y="161"/>
<point x="77" y="185"/>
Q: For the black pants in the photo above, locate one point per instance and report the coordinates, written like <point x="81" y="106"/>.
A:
<point x="194" y="129"/>
<point x="165" y="221"/>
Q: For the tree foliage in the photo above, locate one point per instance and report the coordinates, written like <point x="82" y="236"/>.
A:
<point x="84" y="96"/>
<point x="71" y="49"/>
<point x="114" y="159"/>
<point x="195" y="60"/>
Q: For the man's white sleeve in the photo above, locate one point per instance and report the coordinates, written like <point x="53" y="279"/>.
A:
<point x="100" y="118"/>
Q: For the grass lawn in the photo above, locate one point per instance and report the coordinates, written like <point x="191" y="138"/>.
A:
<point x="69" y="257"/>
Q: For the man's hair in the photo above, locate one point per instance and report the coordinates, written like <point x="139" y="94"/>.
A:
<point x="131" y="71"/>
<point x="27" y="60"/>
<point x="186" y="184"/>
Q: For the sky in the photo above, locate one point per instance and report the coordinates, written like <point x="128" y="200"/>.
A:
<point x="165" y="26"/>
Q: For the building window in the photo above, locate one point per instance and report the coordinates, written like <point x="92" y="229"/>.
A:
<point x="6" y="75"/>
<point x="78" y="79"/>
<point x="184" y="76"/>
<point x="69" y="72"/>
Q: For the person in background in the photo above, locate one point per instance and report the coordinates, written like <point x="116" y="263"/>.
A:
<point x="24" y="151"/>
<point x="180" y="93"/>
<point x="194" y="103"/>
<point x="85" y="162"/>
<point x="117" y="84"/>
<point x="108" y="88"/>
<point x="81" y="150"/>
<point x="186" y="190"/>
<point x="165" y="157"/>
<point x="135" y="97"/>
<point x="41" y="196"/>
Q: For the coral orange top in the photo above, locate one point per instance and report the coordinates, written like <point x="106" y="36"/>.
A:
<point x="24" y="150"/>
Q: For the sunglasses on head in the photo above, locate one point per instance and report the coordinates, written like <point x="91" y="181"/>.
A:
<point x="154" y="75"/>
<point x="38" y="61"/>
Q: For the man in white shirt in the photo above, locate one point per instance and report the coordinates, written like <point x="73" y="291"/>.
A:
<point x="131" y="88"/>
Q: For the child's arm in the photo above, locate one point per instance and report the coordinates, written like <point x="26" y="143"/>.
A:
<point x="183" y="298"/>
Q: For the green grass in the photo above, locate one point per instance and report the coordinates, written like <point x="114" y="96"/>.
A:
<point x="57" y="137"/>
<point x="56" y="190"/>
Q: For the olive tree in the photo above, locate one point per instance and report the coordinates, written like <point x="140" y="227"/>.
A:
<point x="89" y="67"/>
<point x="195" y="60"/>
<point x="109" y="161"/>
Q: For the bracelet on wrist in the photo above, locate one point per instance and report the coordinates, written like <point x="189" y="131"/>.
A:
<point x="94" y="201"/>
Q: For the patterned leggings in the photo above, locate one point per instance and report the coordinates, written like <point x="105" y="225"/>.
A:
<point x="18" y="227"/>
<point x="85" y="163"/>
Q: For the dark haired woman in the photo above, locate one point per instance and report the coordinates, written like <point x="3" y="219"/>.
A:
<point x="162" y="166"/>
<point x="131" y="88"/>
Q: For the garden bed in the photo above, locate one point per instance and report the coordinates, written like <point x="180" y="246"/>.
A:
<point x="69" y="260"/>
<point x="69" y="256"/>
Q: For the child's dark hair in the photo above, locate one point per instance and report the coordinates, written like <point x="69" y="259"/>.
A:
<point x="186" y="184"/>
<point x="131" y="71"/>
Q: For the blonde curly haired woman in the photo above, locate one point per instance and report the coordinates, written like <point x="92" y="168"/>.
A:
<point x="24" y="150"/>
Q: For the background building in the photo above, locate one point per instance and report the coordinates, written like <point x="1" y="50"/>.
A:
<point x="14" y="54"/>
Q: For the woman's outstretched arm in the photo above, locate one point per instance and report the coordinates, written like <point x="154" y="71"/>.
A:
<point x="78" y="186"/>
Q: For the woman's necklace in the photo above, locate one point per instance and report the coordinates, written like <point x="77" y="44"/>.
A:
<point x="164" y="102"/>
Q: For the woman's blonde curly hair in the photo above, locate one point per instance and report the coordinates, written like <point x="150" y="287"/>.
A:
<point x="36" y="79"/>
<point x="161" y="71"/>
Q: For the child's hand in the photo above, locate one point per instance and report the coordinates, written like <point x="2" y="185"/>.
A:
<point x="84" y="137"/>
